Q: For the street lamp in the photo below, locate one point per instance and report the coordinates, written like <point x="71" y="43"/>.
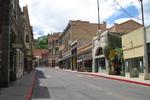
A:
<point x="146" y="69"/>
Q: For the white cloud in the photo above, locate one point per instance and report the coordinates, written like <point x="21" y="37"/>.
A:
<point x="146" y="13"/>
<point x="53" y="15"/>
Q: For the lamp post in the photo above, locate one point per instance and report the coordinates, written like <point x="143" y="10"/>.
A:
<point x="146" y="69"/>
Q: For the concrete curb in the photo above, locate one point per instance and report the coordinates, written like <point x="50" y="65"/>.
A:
<point x="119" y="79"/>
<point x="113" y="78"/>
<point x="30" y="90"/>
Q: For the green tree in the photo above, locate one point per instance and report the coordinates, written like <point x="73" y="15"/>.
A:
<point x="42" y="42"/>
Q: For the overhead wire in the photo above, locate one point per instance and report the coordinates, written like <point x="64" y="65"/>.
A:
<point x="128" y="14"/>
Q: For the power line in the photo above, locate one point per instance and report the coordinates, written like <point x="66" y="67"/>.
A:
<point x="126" y="11"/>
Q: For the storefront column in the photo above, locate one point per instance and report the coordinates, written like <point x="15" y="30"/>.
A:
<point x="93" y="65"/>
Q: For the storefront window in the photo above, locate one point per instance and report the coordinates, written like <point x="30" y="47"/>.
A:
<point x="134" y="63"/>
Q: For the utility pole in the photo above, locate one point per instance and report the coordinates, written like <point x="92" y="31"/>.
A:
<point x="146" y="69"/>
<point x="98" y="15"/>
<point x="99" y="31"/>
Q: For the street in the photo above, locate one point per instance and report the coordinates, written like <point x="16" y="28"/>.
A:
<point x="57" y="84"/>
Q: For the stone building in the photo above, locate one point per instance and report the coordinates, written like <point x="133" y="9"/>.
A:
<point x="28" y="40"/>
<point x="53" y="49"/>
<point x="12" y="45"/>
<point x="12" y="48"/>
<point x="76" y="33"/>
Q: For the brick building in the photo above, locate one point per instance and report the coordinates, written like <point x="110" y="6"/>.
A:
<point x="53" y="49"/>
<point x="41" y="56"/>
<point x="76" y="33"/>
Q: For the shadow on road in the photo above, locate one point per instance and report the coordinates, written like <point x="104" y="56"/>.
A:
<point x="40" y="91"/>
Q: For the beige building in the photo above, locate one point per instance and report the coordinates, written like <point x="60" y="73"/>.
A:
<point x="148" y="44"/>
<point x="148" y="33"/>
<point x="133" y="51"/>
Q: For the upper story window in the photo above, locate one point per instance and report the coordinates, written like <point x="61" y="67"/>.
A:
<point x="50" y="43"/>
<point x="27" y="38"/>
<point x="56" y="51"/>
<point x="56" y="42"/>
<point x="99" y="51"/>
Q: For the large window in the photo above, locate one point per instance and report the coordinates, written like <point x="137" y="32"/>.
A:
<point x="134" y="63"/>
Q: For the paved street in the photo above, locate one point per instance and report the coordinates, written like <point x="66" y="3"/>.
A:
<point x="56" y="84"/>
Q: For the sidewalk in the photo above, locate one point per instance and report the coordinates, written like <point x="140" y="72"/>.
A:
<point x="139" y="81"/>
<point x="20" y="89"/>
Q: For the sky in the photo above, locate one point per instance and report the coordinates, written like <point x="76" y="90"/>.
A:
<point x="48" y="16"/>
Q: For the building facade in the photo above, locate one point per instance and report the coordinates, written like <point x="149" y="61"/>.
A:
<point x="12" y="46"/>
<point x="148" y="44"/>
<point x="53" y="49"/>
<point x="106" y="46"/>
<point x="80" y="31"/>
<point x="28" y="40"/>
<point x="84" y="57"/>
<point x="133" y="49"/>
<point x="41" y="57"/>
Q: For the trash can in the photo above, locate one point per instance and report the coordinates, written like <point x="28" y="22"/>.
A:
<point x="134" y="72"/>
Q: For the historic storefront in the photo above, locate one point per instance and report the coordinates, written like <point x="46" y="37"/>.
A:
<point x="84" y="59"/>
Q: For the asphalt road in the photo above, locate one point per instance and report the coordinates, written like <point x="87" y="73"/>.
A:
<point x="56" y="84"/>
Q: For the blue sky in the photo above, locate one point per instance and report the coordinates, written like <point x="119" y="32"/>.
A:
<point x="49" y="16"/>
<point x="132" y="12"/>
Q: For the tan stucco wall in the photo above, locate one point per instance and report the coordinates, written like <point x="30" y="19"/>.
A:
<point x="148" y="34"/>
<point x="133" y="44"/>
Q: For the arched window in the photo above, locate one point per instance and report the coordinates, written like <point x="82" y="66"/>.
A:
<point x="99" y="51"/>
